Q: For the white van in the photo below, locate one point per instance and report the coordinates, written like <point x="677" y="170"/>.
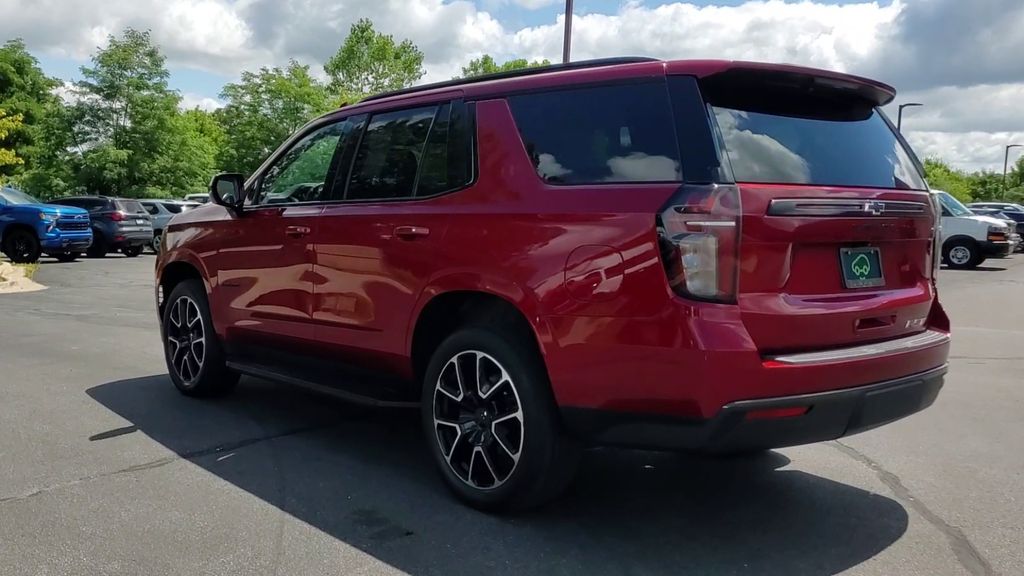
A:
<point x="968" y="239"/>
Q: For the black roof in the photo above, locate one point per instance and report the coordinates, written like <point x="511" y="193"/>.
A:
<point x="581" y="64"/>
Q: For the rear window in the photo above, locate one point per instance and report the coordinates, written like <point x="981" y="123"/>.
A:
<point x="600" y="134"/>
<point x="816" y="145"/>
<point x="131" y="206"/>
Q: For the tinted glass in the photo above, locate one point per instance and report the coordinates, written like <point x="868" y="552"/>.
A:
<point x="389" y="154"/>
<point x="299" y="174"/>
<point x="951" y="206"/>
<point x="131" y="206"/>
<point x="172" y="208"/>
<point x="12" y="196"/>
<point x="603" y="134"/>
<point x="840" y="148"/>
<point x="151" y="208"/>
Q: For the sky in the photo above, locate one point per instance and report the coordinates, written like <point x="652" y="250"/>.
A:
<point x="961" y="58"/>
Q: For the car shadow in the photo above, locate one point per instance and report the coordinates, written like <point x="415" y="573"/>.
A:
<point x="363" y="477"/>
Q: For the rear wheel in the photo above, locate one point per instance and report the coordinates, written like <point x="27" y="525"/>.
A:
<point x="962" y="254"/>
<point x="22" y="247"/>
<point x="99" y="247"/>
<point x="491" y="422"/>
<point x="195" y="359"/>
<point x="157" y="240"/>
<point x="131" y="251"/>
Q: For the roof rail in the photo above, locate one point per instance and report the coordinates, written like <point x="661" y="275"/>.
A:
<point x="581" y="64"/>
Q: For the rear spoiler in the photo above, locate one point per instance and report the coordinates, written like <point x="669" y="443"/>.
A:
<point x="719" y="76"/>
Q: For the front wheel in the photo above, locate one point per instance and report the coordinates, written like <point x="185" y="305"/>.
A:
<point x="491" y="421"/>
<point x="22" y="247"/>
<point x="195" y="359"/>
<point x="962" y="254"/>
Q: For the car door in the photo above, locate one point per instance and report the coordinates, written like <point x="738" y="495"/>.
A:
<point x="264" y="256"/>
<point x="375" y="249"/>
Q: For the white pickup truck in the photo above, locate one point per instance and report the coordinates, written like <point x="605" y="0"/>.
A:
<point x="968" y="239"/>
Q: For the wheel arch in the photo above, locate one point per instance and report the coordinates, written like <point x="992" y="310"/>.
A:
<point x="14" y="227"/>
<point x="458" y="301"/>
<point x="177" y="271"/>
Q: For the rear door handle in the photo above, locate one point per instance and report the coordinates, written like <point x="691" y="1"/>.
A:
<point x="411" y="232"/>
<point x="297" y="231"/>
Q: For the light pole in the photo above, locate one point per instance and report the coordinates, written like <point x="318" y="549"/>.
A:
<point x="1006" y="162"/>
<point x="567" y="38"/>
<point x="899" y="115"/>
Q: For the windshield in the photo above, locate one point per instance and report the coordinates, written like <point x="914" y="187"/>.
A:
<point x="953" y="205"/>
<point x="12" y="196"/>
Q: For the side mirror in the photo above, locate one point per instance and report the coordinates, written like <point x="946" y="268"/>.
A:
<point x="227" y="189"/>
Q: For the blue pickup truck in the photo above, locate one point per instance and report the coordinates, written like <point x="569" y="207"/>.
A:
<point x="29" y="228"/>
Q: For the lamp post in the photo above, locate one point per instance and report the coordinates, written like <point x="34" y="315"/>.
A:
<point x="567" y="38"/>
<point x="1006" y="162"/>
<point x="899" y="115"/>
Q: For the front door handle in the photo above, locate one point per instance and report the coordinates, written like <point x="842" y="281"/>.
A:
<point x="411" y="232"/>
<point x="297" y="231"/>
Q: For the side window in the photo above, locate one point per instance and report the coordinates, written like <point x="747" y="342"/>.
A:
<point x="601" y="134"/>
<point x="299" y="174"/>
<point x="152" y="209"/>
<point x="388" y="158"/>
<point x="172" y="208"/>
<point x="448" y="154"/>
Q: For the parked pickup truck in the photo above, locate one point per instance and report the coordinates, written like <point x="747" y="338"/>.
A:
<point x="969" y="239"/>
<point x="29" y="228"/>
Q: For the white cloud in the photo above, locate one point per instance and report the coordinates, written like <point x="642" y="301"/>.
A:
<point x="190" y="101"/>
<point x="960" y="58"/>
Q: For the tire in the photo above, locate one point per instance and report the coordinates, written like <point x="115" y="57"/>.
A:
<point x="962" y="254"/>
<point x="68" y="256"/>
<point x="132" y="251"/>
<point x="155" y="244"/>
<point x="22" y="247"/>
<point x="200" y="370"/>
<point x="509" y="451"/>
<point x="99" y="247"/>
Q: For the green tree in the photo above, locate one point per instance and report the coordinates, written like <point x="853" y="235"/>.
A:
<point x="194" y="145"/>
<point x="986" y="185"/>
<point x="24" y="91"/>
<point x="8" y="124"/>
<point x="126" y="111"/>
<point x="263" y="109"/>
<point x="486" y="65"/>
<point x="941" y="176"/>
<point x="58" y="159"/>
<point x="369" y="62"/>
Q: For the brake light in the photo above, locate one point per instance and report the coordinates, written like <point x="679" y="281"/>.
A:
<point x="936" y="236"/>
<point x="117" y="216"/>
<point x="698" y="233"/>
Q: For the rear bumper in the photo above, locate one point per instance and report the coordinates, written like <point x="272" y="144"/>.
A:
<point x="134" y="238"/>
<point x="829" y="415"/>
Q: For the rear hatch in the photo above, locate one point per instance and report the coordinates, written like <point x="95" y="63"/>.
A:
<point x="837" y="225"/>
<point x="135" y="215"/>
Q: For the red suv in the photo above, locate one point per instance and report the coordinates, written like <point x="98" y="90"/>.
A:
<point x="693" y="255"/>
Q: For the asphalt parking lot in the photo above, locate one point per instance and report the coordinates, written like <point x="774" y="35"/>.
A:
<point x="105" y="469"/>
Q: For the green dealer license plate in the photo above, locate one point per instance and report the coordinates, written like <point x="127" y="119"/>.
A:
<point x="862" y="267"/>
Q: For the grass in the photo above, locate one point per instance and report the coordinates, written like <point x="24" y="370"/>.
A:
<point x="30" y="269"/>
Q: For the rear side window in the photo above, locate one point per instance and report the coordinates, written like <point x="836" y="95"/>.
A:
<point x="389" y="154"/>
<point x="803" y="140"/>
<point x="131" y="206"/>
<point x="151" y="208"/>
<point x="600" y="134"/>
<point x="172" y="208"/>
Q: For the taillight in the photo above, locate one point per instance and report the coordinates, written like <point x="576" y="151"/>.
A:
<point x="698" y="232"/>
<point x="117" y="216"/>
<point x="936" y="236"/>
